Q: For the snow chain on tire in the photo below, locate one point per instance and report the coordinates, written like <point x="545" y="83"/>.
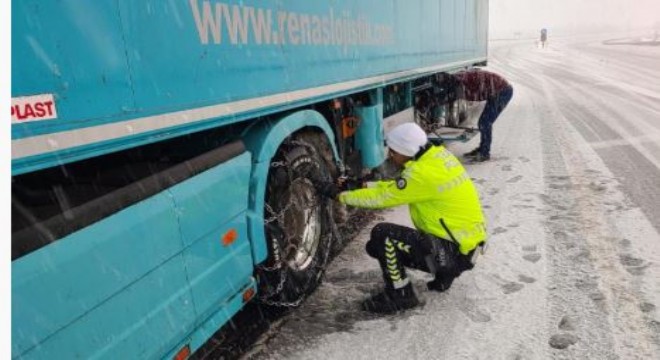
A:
<point x="272" y="221"/>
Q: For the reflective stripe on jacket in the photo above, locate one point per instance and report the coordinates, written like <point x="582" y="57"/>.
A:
<point x="435" y="187"/>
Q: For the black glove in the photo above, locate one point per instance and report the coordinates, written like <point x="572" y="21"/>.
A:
<point x="328" y="189"/>
<point x="348" y="182"/>
<point x="351" y="184"/>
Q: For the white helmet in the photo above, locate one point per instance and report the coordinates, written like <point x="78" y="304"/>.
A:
<point x="406" y="139"/>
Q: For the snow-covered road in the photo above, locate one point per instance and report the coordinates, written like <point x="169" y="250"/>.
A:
<point x="572" y="197"/>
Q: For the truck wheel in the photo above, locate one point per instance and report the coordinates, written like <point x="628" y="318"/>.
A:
<point x="299" y="225"/>
<point x="457" y="113"/>
<point x="462" y="112"/>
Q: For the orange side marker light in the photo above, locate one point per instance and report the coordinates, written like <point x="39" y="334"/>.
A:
<point x="229" y="237"/>
<point x="248" y="294"/>
<point x="183" y="353"/>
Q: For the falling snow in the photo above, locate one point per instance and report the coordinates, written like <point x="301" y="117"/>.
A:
<point x="571" y="195"/>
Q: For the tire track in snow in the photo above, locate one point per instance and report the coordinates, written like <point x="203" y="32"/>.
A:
<point x="590" y="285"/>
<point x="589" y="270"/>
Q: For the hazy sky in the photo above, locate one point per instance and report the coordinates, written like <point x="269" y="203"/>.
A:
<point x="563" y="16"/>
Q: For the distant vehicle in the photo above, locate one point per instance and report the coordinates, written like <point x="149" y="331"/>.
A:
<point x="164" y="153"/>
<point x="544" y="37"/>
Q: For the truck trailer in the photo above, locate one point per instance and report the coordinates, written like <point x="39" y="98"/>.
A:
<point x="164" y="154"/>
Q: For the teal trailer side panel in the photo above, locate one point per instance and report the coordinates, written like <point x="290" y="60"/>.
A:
<point x="211" y="325"/>
<point x="143" y="321"/>
<point x="136" y="283"/>
<point x="208" y="200"/>
<point x="106" y="285"/>
<point x="192" y="65"/>
<point x="209" y="206"/>
<point x="75" y="50"/>
<point x="218" y="272"/>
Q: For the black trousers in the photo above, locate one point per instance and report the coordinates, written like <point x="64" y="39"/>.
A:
<point x="399" y="247"/>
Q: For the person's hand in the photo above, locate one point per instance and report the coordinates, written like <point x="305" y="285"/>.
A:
<point x="328" y="189"/>
<point x="346" y="183"/>
<point x="342" y="182"/>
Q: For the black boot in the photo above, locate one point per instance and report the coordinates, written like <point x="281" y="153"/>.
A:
<point x="481" y="158"/>
<point x="391" y="301"/>
<point x="472" y="153"/>
<point x="440" y="283"/>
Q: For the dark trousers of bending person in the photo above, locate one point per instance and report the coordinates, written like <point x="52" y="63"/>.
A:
<point x="494" y="106"/>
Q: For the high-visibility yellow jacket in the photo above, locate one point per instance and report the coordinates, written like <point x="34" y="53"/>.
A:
<point x="435" y="186"/>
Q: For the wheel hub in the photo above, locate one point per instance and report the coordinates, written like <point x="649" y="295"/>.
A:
<point x="302" y="220"/>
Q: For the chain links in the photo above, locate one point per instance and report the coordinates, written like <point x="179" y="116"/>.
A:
<point x="276" y="216"/>
<point x="278" y="265"/>
<point x="266" y="299"/>
<point x="277" y="164"/>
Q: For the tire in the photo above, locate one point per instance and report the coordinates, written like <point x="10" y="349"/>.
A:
<point x="298" y="222"/>
<point x="456" y="113"/>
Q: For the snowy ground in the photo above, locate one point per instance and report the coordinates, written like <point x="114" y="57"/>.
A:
<point x="572" y="196"/>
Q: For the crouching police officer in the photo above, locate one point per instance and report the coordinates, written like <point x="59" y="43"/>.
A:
<point x="444" y="207"/>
